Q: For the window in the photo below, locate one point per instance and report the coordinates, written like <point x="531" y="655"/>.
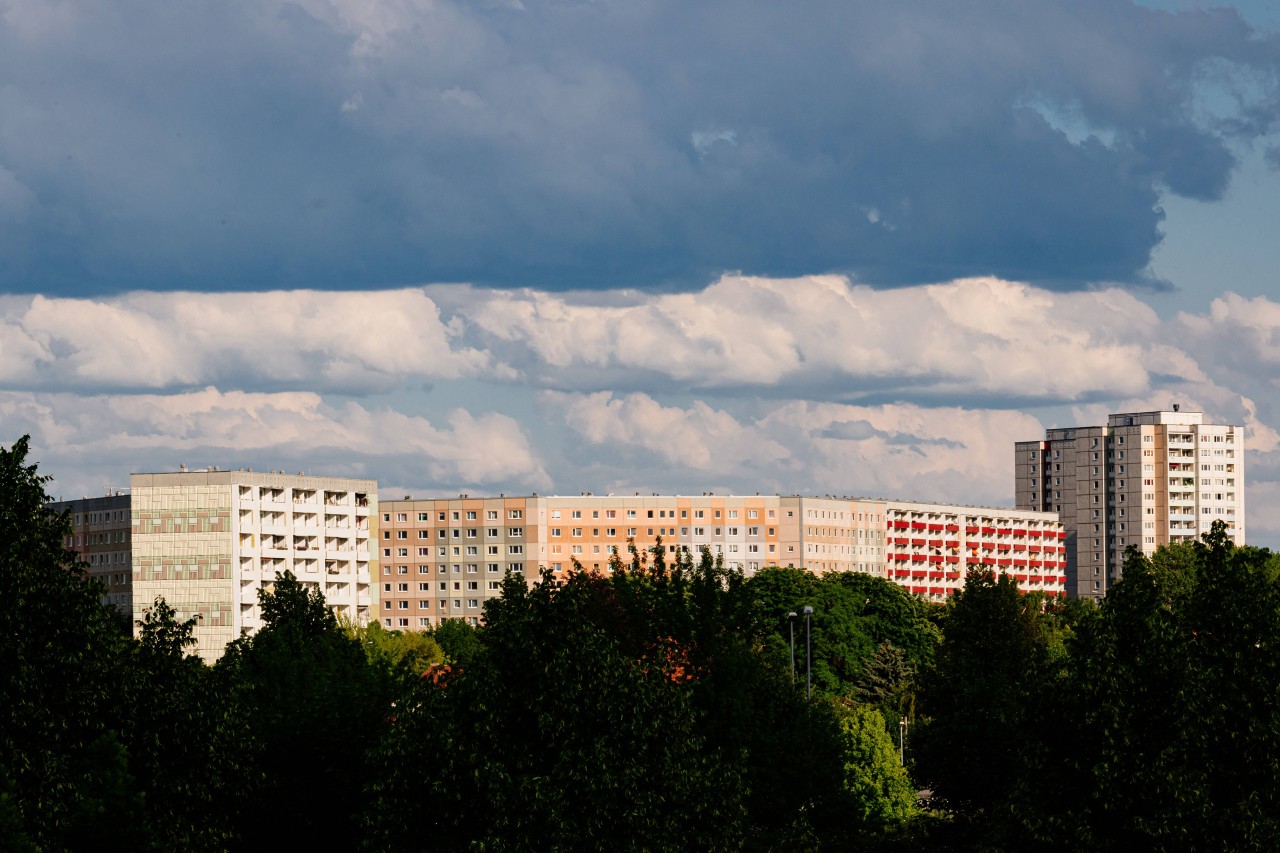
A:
<point x="515" y="514"/>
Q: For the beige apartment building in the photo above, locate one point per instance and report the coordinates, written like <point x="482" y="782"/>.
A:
<point x="443" y="558"/>
<point x="1145" y="479"/>
<point x="208" y="541"/>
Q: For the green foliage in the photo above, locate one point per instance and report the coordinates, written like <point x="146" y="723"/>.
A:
<point x="881" y="793"/>
<point x="1175" y="704"/>
<point x="459" y="641"/>
<point x="188" y="739"/>
<point x="62" y="660"/>
<point x="552" y="732"/>
<point x="408" y="654"/>
<point x="316" y="705"/>
<point x="981" y="694"/>
<point x="854" y="614"/>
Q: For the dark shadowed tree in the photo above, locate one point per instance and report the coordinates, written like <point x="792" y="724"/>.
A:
<point x="316" y="705"/>
<point x="62" y="661"/>
<point x="1175" y="705"/>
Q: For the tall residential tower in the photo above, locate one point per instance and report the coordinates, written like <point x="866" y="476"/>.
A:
<point x="1144" y="479"/>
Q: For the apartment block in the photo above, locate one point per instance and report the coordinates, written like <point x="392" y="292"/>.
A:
<point x="443" y="558"/>
<point x="932" y="547"/>
<point x="102" y="536"/>
<point x="208" y="541"/>
<point x="1144" y="479"/>
<point x="440" y="559"/>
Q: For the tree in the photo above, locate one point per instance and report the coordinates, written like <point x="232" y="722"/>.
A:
<point x="188" y="740"/>
<point x="459" y="641"/>
<point x="880" y="793"/>
<point x="315" y="706"/>
<point x="408" y="654"/>
<point x="62" y="661"/>
<point x="551" y="737"/>
<point x="1174" y="739"/>
<point x="980" y="695"/>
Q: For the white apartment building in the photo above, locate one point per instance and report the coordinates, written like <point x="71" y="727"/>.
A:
<point x="1145" y="479"/>
<point x="208" y="541"/>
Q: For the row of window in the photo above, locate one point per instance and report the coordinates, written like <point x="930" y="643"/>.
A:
<point x="456" y="515"/>
<point x="458" y="533"/>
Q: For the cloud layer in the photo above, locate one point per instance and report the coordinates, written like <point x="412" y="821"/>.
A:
<point x="813" y="385"/>
<point x="336" y="143"/>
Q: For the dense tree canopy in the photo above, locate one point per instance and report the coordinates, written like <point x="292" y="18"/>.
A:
<point x="651" y="707"/>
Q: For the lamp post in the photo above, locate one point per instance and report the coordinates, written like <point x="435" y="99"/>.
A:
<point x="791" y="623"/>
<point x="808" y="653"/>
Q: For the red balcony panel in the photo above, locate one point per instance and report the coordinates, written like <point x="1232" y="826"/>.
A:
<point x="1035" y="549"/>
<point x="898" y="540"/>
<point x="1035" y="533"/>
<point x="953" y="528"/>
<point x="935" y="576"/>
<point x="901" y="525"/>
<point x="1018" y="546"/>
<point x="988" y="531"/>
<point x="935" y="543"/>
<point x="935" y="527"/>
<point x="1022" y="563"/>
<point x="953" y="576"/>
<point x="971" y="531"/>
<point x="953" y="543"/>
<point x="918" y="525"/>
<point x="920" y="590"/>
<point x="917" y="558"/>
<point x="1004" y="562"/>
<point x="952" y="558"/>
<point x="919" y="543"/>
<point x="935" y="558"/>
<point x="1017" y="531"/>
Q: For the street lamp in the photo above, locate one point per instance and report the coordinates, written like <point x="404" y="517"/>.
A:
<point x="808" y="653"/>
<point x="791" y="623"/>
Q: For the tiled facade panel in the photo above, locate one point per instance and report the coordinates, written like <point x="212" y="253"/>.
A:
<point x="182" y="552"/>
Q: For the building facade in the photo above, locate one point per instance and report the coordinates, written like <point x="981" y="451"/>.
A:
<point x="208" y="541"/>
<point x="442" y="559"/>
<point x="102" y="536"/>
<point x="1145" y="479"/>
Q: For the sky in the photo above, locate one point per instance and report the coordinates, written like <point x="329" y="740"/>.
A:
<point x="833" y="247"/>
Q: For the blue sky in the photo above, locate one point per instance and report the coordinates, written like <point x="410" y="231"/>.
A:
<point x="828" y="247"/>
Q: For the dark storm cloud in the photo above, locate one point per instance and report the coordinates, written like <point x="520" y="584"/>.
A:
<point x="246" y="145"/>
